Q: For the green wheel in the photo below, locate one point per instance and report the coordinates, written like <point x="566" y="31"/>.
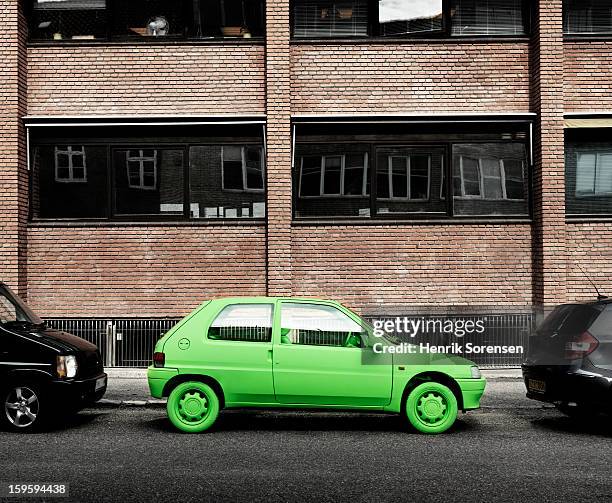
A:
<point x="193" y="407"/>
<point x="431" y="407"/>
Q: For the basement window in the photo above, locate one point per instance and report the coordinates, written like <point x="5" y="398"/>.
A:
<point x="590" y="17"/>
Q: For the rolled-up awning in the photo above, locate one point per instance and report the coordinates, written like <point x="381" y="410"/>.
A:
<point x="585" y="120"/>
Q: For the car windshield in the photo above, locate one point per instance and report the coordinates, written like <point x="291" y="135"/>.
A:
<point x="14" y="310"/>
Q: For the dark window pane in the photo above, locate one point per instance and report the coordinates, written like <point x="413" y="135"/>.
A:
<point x="398" y="17"/>
<point x="354" y="173"/>
<point x="148" y="18"/>
<point x="419" y="177"/>
<point x="68" y="19"/>
<point x="148" y="181"/>
<point x="232" y="168"/>
<point x="310" y="182"/>
<point x="587" y="16"/>
<point x="488" y="17"/>
<point x="332" y="172"/>
<point x="208" y="199"/>
<point x="489" y="179"/>
<point x="321" y="18"/>
<point x="60" y="190"/>
<point x="399" y="177"/>
<point x="226" y="18"/>
<point x="254" y="168"/>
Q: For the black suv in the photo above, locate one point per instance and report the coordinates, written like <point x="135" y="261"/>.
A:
<point x="569" y="361"/>
<point x="41" y="369"/>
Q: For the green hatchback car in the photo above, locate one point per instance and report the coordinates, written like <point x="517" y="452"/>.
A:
<point x="301" y="353"/>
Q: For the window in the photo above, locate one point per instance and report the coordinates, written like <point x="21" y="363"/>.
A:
<point x="69" y="181"/>
<point x="395" y="18"/>
<point x="243" y="168"/>
<point x="227" y="181"/>
<point x="243" y="323"/>
<point x="334" y="175"/>
<point x="148" y="178"/>
<point x="313" y="325"/>
<point x="322" y="18"/>
<point x="488" y="17"/>
<point x="588" y="173"/>
<point x="587" y="16"/>
<point x="489" y="178"/>
<point x="142" y="169"/>
<point x="68" y="20"/>
<point x="62" y="20"/>
<point x="70" y="164"/>
<point x="398" y="17"/>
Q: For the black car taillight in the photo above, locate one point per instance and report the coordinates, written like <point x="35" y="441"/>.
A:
<point x="159" y="359"/>
<point x="583" y="346"/>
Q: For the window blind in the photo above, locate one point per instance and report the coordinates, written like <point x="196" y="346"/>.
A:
<point x="312" y="18"/>
<point x="488" y="17"/>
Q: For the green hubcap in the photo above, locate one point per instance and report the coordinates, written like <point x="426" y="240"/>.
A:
<point x="431" y="408"/>
<point x="193" y="406"/>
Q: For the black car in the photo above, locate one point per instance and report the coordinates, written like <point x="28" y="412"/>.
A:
<point x="42" y="371"/>
<point x="569" y="360"/>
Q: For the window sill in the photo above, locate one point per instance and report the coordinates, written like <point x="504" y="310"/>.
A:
<point x="588" y="219"/>
<point x="586" y="37"/>
<point x="410" y="40"/>
<point x="413" y="222"/>
<point x="138" y="42"/>
<point x="146" y="223"/>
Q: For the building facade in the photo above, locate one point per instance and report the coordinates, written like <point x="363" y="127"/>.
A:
<point x="154" y="154"/>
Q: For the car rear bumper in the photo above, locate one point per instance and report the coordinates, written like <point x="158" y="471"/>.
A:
<point x="566" y="385"/>
<point x="158" y="377"/>
<point x="472" y="391"/>
<point x="79" y="392"/>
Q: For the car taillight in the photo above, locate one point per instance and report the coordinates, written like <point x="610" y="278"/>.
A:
<point x="584" y="345"/>
<point x="159" y="359"/>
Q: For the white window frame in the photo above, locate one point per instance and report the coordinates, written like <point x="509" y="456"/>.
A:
<point x="408" y="158"/>
<point x="598" y="154"/>
<point x="364" y="183"/>
<point x="141" y="159"/>
<point x="243" y="158"/>
<point x="70" y="152"/>
<point x="481" y="178"/>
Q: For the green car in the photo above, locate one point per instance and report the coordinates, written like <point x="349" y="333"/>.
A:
<point x="302" y="353"/>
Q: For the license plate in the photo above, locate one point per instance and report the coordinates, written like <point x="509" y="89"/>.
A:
<point x="100" y="383"/>
<point x="536" y="385"/>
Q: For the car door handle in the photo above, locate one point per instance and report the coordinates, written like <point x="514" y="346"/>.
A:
<point x="270" y="355"/>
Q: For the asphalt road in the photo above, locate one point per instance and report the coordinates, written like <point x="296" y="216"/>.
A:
<point x="511" y="450"/>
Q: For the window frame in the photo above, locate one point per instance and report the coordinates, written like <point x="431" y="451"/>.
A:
<point x="528" y="8"/>
<point x="502" y="178"/>
<point x="444" y="148"/>
<point x="112" y="144"/>
<point x="111" y="37"/>
<point x="141" y="159"/>
<point x="409" y="197"/>
<point x="70" y="153"/>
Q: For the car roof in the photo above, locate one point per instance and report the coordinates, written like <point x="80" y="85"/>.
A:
<point x="270" y="299"/>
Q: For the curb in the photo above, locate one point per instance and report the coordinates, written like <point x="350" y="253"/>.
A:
<point x="113" y="404"/>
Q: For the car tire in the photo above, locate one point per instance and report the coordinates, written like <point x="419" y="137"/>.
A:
<point x="431" y="407"/>
<point x="23" y="408"/>
<point x="193" y="407"/>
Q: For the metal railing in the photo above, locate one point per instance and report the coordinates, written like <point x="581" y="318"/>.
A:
<point x="127" y="342"/>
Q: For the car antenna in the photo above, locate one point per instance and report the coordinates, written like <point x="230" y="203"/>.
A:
<point x="599" y="295"/>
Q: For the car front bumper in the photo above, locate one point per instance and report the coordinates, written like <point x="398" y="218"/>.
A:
<point x="471" y="392"/>
<point x="79" y="391"/>
<point x="566" y="385"/>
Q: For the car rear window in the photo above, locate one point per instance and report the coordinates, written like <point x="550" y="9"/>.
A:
<point x="570" y="319"/>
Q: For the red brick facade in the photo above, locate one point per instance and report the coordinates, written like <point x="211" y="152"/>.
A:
<point x="165" y="269"/>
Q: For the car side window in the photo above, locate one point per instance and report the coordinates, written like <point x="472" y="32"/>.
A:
<point x="243" y="322"/>
<point x="8" y="311"/>
<point x="313" y="325"/>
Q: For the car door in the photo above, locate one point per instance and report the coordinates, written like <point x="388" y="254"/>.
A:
<point x="238" y="352"/>
<point x="318" y="359"/>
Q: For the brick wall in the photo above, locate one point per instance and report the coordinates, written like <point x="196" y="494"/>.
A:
<point x="371" y="268"/>
<point x="13" y="172"/>
<point x="588" y="76"/>
<point x="146" y="79"/>
<point x="392" y="78"/>
<point x="141" y="270"/>
<point x="591" y="249"/>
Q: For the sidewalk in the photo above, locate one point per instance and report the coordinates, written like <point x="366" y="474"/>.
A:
<point x="128" y="386"/>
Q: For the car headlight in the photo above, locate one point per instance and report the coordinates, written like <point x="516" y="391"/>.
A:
<point x="67" y="366"/>
<point x="476" y="373"/>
